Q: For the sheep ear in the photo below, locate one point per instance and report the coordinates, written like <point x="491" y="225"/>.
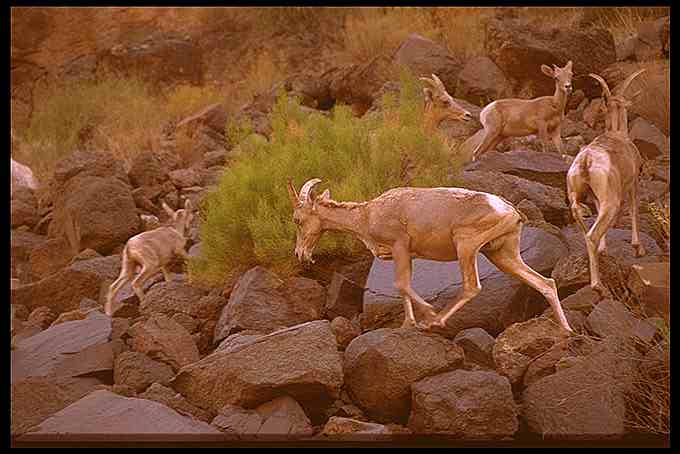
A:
<point x="568" y="66"/>
<point x="547" y="70"/>
<point x="428" y="94"/>
<point x="325" y="195"/>
<point x="187" y="205"/>
<point x="292" y="194"/>
<point x="168" y="210"/>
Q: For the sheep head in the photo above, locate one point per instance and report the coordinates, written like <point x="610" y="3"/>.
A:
<point x="562" y="76"/>
<point x="180" y="219"/>
<point x="440" y="104"/>
<point x="307" y="221"/>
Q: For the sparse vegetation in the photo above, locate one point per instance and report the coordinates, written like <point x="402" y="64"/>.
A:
<point x="247" y="218"/>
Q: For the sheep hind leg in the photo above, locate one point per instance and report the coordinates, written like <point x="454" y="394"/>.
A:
<point x="635" y="219"/>
<point x="138" y="281"/>
<point x="126" y="275"/>
<point x="507" y="258"/>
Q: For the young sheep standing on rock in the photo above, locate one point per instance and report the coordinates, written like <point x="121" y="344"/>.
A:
<point x="152" y="250"/>
<point x="521" y="117"/>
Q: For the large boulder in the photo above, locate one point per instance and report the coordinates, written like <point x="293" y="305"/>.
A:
<point x="648" y="139"/>
<point x="301" y="361"/>
<point x="100" y="223"/>
<point x="62" y="291"/>
<point x="618" y="243"/>
<point x="585" y="400"/>
<point x="344" y="297"/>
<point x="516" y="347"/>
<point x="261" y="301"/>
<point x="520" y="48"/>
<point x="164" y="340"/>
<point x="49" y="257"/>
<point x="106" y="412"/>
<point x="34" y="399"/>
<point x="463" y="404"/>
<point x="160" y="59"/>
<point x="138" y="371"/>
<point x="477" y="345"/>
<point x="150" y="169"/>
<point x="21" y="245"/>
<point x="70" y="349"/>
<point x="550" y="200"/>
<point x="179" y="297"/>
<point x="503" y="300"/>
<point x="612" y="318"/>
<point x="381" y="365"/>
<point x="425" y="57"/>
<point x="650" y="283"/>
<point x="545" y="168"/>
<point x="481" y="82"/>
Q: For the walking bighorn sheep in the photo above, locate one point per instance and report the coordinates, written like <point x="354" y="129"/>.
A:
<point x="431" y="223"/>
<point x="439" y="104"/>
<point x="608" y="168"/>
<point x="152" y="250"/>
<point x="521" y="117"/>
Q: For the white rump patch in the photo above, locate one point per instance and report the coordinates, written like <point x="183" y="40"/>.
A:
<point x="497" y="204"/>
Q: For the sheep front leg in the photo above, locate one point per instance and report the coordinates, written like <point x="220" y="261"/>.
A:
<point x="402" y="281"/>
<point x="543" y="135"/>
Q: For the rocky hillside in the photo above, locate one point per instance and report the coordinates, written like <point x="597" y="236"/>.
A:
<point x="321" y="354"/>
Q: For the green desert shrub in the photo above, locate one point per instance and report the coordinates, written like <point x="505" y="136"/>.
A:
<point x="248" y="217"/>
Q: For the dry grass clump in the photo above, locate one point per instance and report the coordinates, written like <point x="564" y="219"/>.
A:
<point x="370" y="32"/>
<point x="623" y="22"/>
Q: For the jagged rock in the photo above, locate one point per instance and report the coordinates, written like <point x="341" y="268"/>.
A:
<point x="612" y="318"/>
<point x="618" y="243"/>
<point x="463" y="404"/>
<point x="184" y="178"/>
<point x="344" y="297"/>
<point x="106" y="412"/>
<point x="138" y="371"/>
<point x="49" y="257"/>
<point x="584" y="300"/>
<point x="518" y="345"/>
<point x="238" y="339"/>
<point x="338" y="428"/>
<point x="21" y="246"/>
<point x="345" y="331"/>
<point x="481" y="82"/>
<point x="301" y="361"/>
<point x="585" y="400"/>
<point x="176" y="401"/>
<point x="33" y="399"/>
<point x="650" y="283"/>
<point x="62" y="291"/>
<point x="23" y="207"/>
<point x="69" y="349"/>
<point x="549" y="169"/>
<point x="381" y="365"/>
<point x="519" y="49"/>
<point x="261" y="301"/>
<point x="164" y="340"/>
<point x="425" y="57"/>
<point x="42" y="316"/>
<point x="477" y="345"/>
<point x="648" y="139"/>
<point x="178" y="296"/>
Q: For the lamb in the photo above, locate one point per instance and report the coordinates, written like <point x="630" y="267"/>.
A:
<point x="520" y="117"/>
<point x="432" y="223"/>
<point x="608" y="168"/>
<point x="152" y="250"/>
